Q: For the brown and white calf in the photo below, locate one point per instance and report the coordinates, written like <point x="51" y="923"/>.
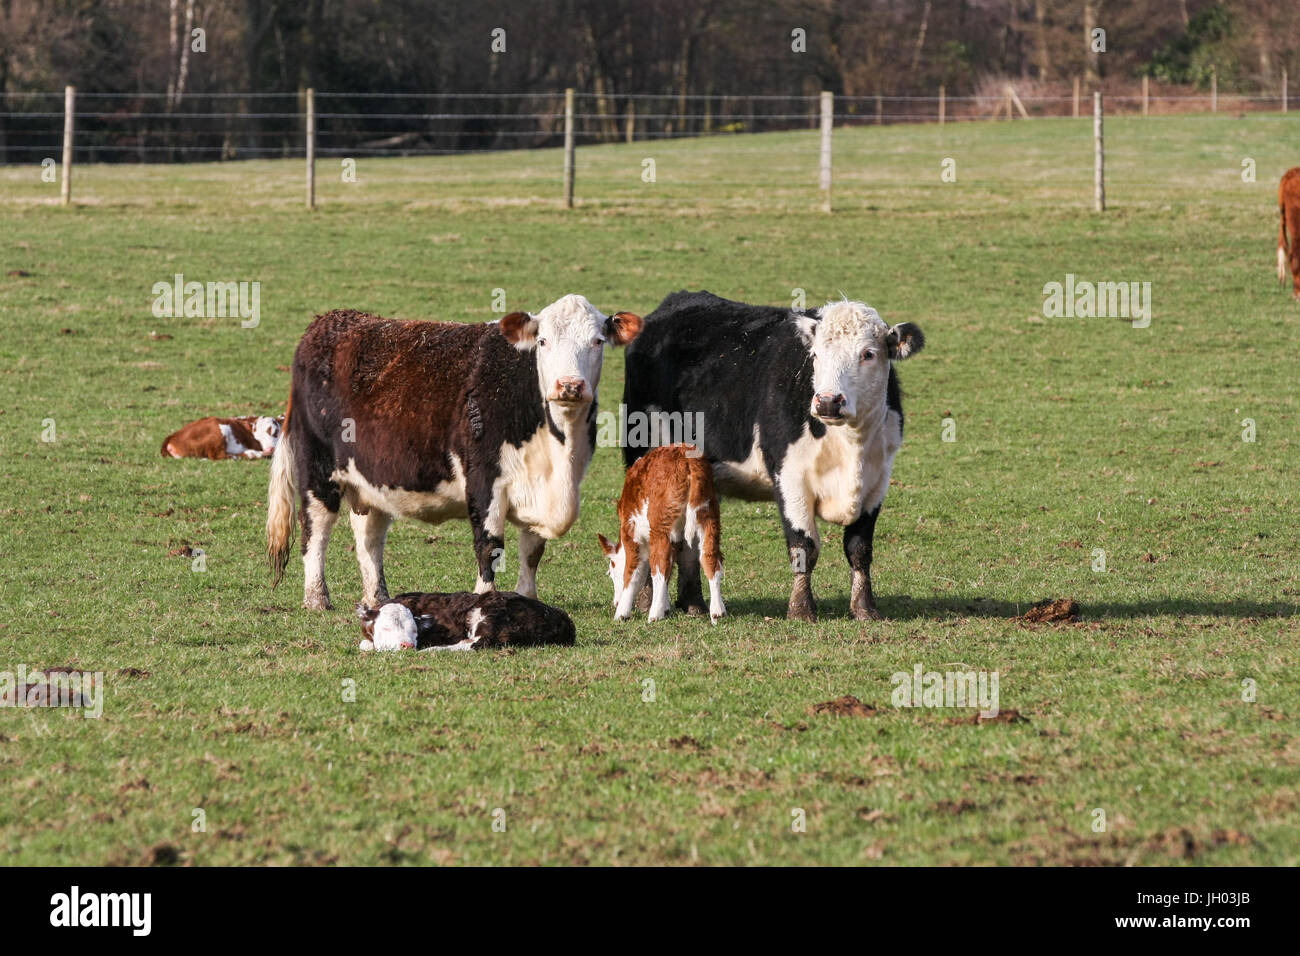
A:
<point x="1288" y="253"/>
<point x="494" y="421"/>
<point x="252" y="436"/>
<point x="668" y="502"/>
<point x="462" y="621"/>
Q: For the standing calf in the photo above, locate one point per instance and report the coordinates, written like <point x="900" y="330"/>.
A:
<point x="668" y="502"/>
<point x="1288" y="201"/>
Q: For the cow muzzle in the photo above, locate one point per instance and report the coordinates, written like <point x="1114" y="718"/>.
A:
<point x="570" y="391"/>
<point x="829" y="407"/>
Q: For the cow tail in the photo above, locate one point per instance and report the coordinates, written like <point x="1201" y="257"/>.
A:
<point x="281" y="498"/>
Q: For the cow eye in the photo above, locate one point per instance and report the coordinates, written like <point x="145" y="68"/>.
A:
<point x="597" y="343"/>
<point x="868" y="355"/>
<point x="541" y="343"/>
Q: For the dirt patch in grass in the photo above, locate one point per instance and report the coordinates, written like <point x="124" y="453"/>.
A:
<point x="1053" y="611"/>
<point x="846" y="706"/>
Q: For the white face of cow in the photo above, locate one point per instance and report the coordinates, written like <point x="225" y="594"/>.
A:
<point x="569" y="336"/>
<point x="391" y="628"/>
<point x="267" y="431"/>
<point x="851" y="348"/>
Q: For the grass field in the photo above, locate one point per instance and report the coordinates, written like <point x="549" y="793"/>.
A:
<point x="1071" y="435"/>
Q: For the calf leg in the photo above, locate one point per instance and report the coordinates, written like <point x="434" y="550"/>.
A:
<point x="690" y="598"/>
<point x="370" y="530"/>
<point x="661" y="568"/>
<point x="857" y="548"/>
<point x="803" y="545"/>
<point x="317" y="522"/>
<point x="530" y="555"/>
<point x="639" y="571"/>
<point x="711" y="562"/>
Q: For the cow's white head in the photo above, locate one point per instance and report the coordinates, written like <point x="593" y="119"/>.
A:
<point x="851" y="348"/>
<point x="570" y="336"/>
<point x="267" y="431"/>
<point x="387" y="628"/>
<point x="617" y="562"/>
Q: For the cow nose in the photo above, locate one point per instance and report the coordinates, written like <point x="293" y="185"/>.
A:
<point x="570" y="389"/>
<point x="828" y="405"/>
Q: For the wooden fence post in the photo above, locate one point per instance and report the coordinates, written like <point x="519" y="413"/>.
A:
<point x="828" y="119"/>
<point x="1284" y="91"/>
<point x="1146" y="94"/>
<point x="631" y="120"/>
<point x="69" y="111"/>
<point x="311" y="148"/>
<point x="1099" y="177"/>
<point x="568" y="148"/>
<point x="1076" y="97"/>
<point x="879" y="111"/>
<point x="1214" y="89"/>
<point x="941" y="103"/>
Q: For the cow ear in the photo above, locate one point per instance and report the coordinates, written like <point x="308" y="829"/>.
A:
<point x="520" y="330"/>
<point x="905" y="340"/>
<point x="622" y="327"/>
<point x="806" y="325"/>
<point x="605" y="546"/>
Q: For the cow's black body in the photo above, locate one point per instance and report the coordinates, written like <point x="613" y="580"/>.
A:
<point x="742" y="366"/>
<point x="504" y="619"/>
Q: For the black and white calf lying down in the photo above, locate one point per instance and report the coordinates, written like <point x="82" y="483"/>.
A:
<point x="462" y="621"/>
<point x="803" y="407"/>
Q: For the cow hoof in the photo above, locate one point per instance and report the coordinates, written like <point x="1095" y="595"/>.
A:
<point x="318" y="603"/>
<point x="867" y="614"/>
<point x="802" y="611"/>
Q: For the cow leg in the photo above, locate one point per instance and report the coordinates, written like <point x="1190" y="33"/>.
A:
<point x="317" y="522"/>
<point x="803" y="545"/>
<point x="857" y="548"/>
<point x="487" y="518"/>
<point x="530" y="555"/>
<point x="690" y="598"/>
<point x="370" y="530"/>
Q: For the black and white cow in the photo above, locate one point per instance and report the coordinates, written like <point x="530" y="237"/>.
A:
<point x="437" y="420"/>
<point x="803" y="407"/>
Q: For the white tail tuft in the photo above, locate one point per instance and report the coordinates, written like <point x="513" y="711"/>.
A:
<point x="281" y="497"/>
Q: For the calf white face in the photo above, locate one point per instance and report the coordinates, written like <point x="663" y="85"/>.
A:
<point x="390" y="628"/>
<point x="851" y="348"/>
<point x="267" y="431"/>
<point x="569" y="336"/>
<point x="617" y="564"/>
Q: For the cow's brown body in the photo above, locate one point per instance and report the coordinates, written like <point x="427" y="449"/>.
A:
<point x="205" y="439"/>
<point x="1288" y="252"/>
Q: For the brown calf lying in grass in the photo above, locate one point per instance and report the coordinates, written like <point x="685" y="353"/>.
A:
<point x="1288" y="201"/>
<point x="251" y="436"/>
<point x="668" y="502"/>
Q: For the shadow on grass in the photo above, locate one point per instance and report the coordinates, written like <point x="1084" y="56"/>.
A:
<point x="904" y="607"/>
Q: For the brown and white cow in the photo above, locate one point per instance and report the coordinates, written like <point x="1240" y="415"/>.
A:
<point x="252" y="436"/>
<point x="1288" y="253"/>
<point x="668" y="503"/>
<point x="437" y="420"/>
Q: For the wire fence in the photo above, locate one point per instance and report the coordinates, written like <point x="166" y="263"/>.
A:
<point x="208" y="127"/>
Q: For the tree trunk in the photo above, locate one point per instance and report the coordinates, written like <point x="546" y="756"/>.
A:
<point x="920" y="37"/>
<point x="1091" y="9"/>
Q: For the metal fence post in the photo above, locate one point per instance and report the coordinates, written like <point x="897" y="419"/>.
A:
<point x="828" y="118"/>
<point x="311" y="148"/>
<point x="1099" y="178"/>
<point x="568" y="148"/>
<point x="69" y="111"/>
